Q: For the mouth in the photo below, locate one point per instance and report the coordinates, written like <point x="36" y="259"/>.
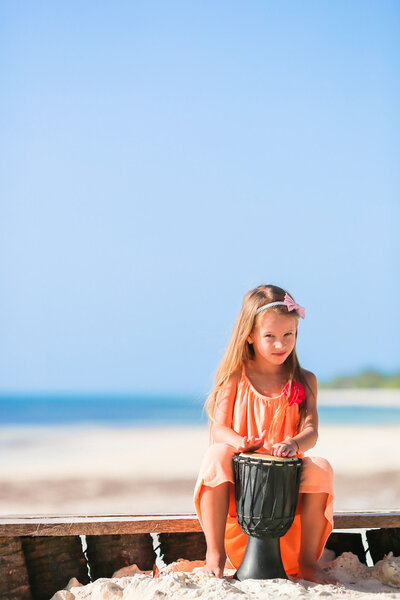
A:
<point x="279" y="353"/>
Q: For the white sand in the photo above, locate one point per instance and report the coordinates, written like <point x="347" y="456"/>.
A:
<point x="89" y="469"/>
<point x="168" y="453"/>
<point x="359" y="397"/>
<point x="95" y="451"/>
<point x="358" y="582"/>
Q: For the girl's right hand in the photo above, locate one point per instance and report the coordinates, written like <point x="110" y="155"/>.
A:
<point x="251" y="444"/>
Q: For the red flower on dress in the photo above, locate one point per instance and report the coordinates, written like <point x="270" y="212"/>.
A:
<point x="298" y="393"/>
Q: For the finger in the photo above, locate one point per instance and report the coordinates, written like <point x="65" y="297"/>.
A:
<point x="278" y="449"/>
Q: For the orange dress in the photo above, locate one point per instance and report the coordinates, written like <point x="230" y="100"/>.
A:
<point x="252" y="413"/>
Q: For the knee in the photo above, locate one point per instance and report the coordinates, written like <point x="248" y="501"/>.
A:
<point x="317" y="463"/>
<point x="317" y="471"/>
<point x="325" y="465"/>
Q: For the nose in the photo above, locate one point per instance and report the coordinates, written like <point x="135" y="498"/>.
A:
<point x="278" y="344"/>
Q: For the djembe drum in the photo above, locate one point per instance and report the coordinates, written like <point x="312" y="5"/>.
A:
<point x="266" y="494"/>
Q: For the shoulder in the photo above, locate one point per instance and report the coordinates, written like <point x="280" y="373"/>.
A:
<point x="225" y="400"/>
<point x="234" y="379"/>
<point x="231" y="384"/>
<point x="311" y="381"/>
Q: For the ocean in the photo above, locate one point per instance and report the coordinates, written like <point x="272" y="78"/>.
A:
<point x="146" y="411"/>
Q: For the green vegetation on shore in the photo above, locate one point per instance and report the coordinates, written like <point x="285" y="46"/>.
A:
<point x="367" y="379"/>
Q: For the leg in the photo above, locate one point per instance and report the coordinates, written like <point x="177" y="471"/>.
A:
<point x="214" y="504"/>
<point x="313" y="524"/>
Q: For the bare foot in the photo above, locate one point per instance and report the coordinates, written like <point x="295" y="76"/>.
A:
<point x="215" y="564"/>
<point x="313" y="572"/>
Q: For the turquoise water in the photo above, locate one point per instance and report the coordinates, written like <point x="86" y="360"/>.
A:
<point x="141" y="411"/>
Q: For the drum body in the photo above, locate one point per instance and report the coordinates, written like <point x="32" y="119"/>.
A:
<point x="266" y="495"/>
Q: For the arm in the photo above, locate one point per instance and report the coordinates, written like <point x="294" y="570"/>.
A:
<point x="222" y="431"/>
<point x="223" y="413"/>
<point x="308" y="436"/>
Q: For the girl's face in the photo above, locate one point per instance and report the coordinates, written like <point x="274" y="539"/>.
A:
<point x="273" y="337"/>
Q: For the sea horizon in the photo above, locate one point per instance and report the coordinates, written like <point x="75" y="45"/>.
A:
<point x="336" y="407"/>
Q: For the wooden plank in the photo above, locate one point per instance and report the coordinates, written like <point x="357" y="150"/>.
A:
<point x="383" y="541"/>
<point x="51" y="562"/>
<point x="109" y="553"/>
<point x="14" y="580"/>
<point x="188" y="545"/>
<point x="56" y="525"/>
<point x="341" y="542"/>
<point x="366" y="519"/>
<point x="15" y="525"/>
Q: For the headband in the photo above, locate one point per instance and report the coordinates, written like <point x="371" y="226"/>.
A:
<point x="290" y="303"/>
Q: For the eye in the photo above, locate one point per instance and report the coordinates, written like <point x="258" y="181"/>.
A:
<point x="290" y="333"/>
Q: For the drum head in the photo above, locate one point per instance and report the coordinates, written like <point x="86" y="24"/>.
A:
<point x="267" y="457"/>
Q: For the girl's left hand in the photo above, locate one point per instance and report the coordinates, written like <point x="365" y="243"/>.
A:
<point x="287" y="448"/>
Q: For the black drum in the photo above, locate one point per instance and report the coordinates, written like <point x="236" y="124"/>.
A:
<point x="266" y="494"/>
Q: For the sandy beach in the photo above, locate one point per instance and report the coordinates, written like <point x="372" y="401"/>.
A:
<point x="355" y="582"/>
<point x="91" y="469"/>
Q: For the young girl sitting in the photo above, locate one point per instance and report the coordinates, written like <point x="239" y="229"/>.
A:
<point x="264" y="401"/>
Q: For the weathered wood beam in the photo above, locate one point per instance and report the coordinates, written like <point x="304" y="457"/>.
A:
<point x="382" y="541"/>
<point x="366" y="519"/>
<point x="63" y="525"/>
<point x="18" y="525"/>
<point x="14" y="579"/>
<point x="109" y="553"/>
<point x="188" y="545"/>
<point x="51" y="562"/>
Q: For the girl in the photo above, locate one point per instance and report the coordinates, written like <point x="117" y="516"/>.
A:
<point x="263" y="401"/>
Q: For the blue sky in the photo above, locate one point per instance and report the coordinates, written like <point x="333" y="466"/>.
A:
<point x="159" y="159"/>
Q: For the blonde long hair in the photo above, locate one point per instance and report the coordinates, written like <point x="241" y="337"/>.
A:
<point x="239" y="350"/>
